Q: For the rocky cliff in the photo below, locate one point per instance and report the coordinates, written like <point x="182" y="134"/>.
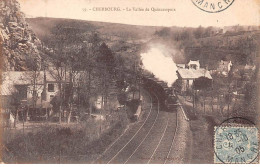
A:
<point x="18" y="43"/>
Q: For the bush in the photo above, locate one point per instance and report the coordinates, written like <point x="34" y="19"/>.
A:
<point x="57" y="144"/>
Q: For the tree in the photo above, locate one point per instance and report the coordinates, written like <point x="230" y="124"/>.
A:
<point x="164" y="32"/>
<point x="106" y="62"/>
<point x="63" y="45"/>
<point x="199" y="32"/>
<point x="34" y="77"/>
<point x="202" y="83"/>
<point x="88" y="80"/>
<point x="208" y="31"/>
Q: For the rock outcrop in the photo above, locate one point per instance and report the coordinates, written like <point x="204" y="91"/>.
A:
<point x="17" y="41"/>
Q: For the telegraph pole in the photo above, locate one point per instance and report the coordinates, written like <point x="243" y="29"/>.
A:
<point x="193" y="93"/>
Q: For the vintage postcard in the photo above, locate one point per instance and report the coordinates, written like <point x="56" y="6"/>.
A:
<point x="129" y="81"/>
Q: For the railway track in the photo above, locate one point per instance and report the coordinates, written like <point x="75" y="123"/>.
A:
<point x="149" y="141"/>
<point x="166" y="144"/>
<point x="122" y="140"/>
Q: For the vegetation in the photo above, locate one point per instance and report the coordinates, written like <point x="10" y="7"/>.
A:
<point x="85" y="68"/>
<point x="88" y="64"/>
<point x="100" y="59"/>
<point x="77" y="143"/>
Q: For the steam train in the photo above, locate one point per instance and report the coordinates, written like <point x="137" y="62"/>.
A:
<point x="161" y="92"/>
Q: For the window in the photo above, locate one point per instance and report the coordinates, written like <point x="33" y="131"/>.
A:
<point x="50" y="87"/>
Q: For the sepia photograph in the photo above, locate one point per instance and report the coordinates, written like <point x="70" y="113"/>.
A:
<point x="129" y="81"/>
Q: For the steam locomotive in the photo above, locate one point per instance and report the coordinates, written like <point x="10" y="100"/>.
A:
<point x="164" y="94"/>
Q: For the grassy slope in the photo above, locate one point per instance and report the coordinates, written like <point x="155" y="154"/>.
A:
<point x="43" y="26"/>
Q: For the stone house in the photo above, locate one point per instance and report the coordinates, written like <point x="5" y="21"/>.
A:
<point x="35" y="91"/>
<point x="224" y="67"/>
<point x="194" y="64"/>
<point x="31" y="90"/>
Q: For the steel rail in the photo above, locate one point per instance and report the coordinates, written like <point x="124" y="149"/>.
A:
<point x="160" y="140"/>
<point x="124" y="133"/>
<point x="147" y="133"/>
<point x="167" y="157"/>
<point x="135" y="133"/>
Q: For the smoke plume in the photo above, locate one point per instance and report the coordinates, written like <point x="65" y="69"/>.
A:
<point x="160" y="63"/>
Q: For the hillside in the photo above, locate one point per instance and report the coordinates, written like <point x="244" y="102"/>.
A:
<point x="241" y="48"/>
<point x="43" y="27"/>
<point x="124" y="40"/>
<point x="211" y="44"/>
<point x="208" y="44"/>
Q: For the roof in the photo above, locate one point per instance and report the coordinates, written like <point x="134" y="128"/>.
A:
<point x="11" y="78"/>
<point x="193" y="73"/>
<point x="194" y="62"/>
<point x="7" y="90"/>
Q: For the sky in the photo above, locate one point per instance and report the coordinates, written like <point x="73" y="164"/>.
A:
<point x="184" y="14"/>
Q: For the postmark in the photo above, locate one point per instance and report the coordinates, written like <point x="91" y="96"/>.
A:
<point x="236" y="143"/>
<point x="213" y="6"/>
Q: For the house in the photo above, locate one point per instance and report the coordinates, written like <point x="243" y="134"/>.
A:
<point x="186" y="77"/>
<point x="224" y="67"/>
<point x="181" y="66"/>
<point x="22" y="91"/>
<point x="194" y="64"/>
<point x="31" y="90"/>
<point x="34" y="92"/>
<point x="249" y="67"/>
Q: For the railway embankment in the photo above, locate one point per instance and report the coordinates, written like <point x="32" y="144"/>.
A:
<point x="182" y="142"/>
<point x="199" y="134"/>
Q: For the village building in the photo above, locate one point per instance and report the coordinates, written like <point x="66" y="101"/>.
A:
<point x="249" y="67"/>
<point x="224" y="67"/>
<point x="186" y="77"/>
<point x="194" y="64"/>
<point x="31" y="93"/>
<point x="31" y="90"/>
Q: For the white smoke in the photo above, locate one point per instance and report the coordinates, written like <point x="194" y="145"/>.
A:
<point x="160" y="63"/>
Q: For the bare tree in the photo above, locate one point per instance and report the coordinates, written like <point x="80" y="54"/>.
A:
<point x="34" y="78"/>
